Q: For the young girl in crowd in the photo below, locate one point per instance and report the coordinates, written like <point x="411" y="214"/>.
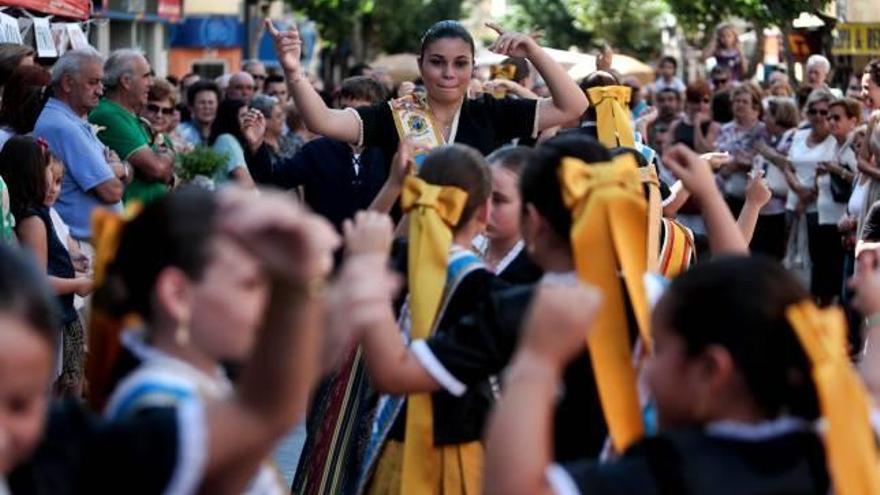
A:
<point x="80" y="261"/>
<point x="462" y="179"/>
<point x="211" y="446"/>
<point x="732" y="386"/>
<point x="505" y="249"/>
<point x="228" y="139"/>
<point x="25" y="163"/>
<point x="727" y="50"/>
<point x="201" y="297"/>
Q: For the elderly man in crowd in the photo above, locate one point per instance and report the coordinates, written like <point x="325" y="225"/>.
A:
<point x="241" y="87"/>
<point x="258" y="71"/>
<point x="94" y="178"/>
<point x="127" y="77"/>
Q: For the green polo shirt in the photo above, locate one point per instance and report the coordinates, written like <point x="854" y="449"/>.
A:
<point x="124" y="133"/>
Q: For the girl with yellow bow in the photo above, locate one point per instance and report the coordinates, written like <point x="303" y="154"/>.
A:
<point x="428" y="435"/>
<point x="742" y="367"/>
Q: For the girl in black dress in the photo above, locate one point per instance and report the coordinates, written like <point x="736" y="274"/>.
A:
<point x="446" y="62"/>
<point x="732" y="384"/>
<point x="505" y="249"/>
<point x="210" y="446"/>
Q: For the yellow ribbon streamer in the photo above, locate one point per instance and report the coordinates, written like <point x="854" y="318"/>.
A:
<point x="609" y="233"/>
<point x="850" y="446"/>
<point x="433" y="212"/>
<point x="649" y="178"/>
<point x="104" y="329"/>
<point x="613" y="117"/>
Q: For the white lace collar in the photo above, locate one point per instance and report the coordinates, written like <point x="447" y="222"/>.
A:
<point x="754" y="432"/>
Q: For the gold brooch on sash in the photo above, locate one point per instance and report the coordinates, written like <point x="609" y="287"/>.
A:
<point x="415" y="123"/>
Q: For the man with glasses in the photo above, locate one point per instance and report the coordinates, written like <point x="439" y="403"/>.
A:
<point x="127" y="81"/>
<point x="257" y="71"/>
<point x="722" y="78"/>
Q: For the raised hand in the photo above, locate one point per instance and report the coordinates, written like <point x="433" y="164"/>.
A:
<point x="253" y="127"/>
<point x="512" y="44"/>
<point x="359" y="299"/>
<point x="559" y="321"/>
<point x="294" y="246"/>
<point x="370" y="233"/>
<point x="402" y="163"/>
<point x="694" y="172"/>
<point x="757" y="191"/>
<point x="288" y="46"/>
<point x="605" y="58"/>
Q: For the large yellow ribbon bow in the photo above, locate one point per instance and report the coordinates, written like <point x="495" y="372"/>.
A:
<point x="850" y="445"/>
<point x="613" y="117"/>
<point x="609" y="234"/>
<point x="502" y="71"/>
<point x="433" y="212"/>
<point x="104" y="328"/>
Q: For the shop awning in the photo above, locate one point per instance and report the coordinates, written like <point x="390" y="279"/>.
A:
<point x="73" y="9"/>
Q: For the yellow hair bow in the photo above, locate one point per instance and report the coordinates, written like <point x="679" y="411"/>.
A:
<point x="613" y="118"/>
<point x="503" y="71"/>
<point x="850" y="445"/>
<point x="433" y="211"/>
<point x="608" y="237"/>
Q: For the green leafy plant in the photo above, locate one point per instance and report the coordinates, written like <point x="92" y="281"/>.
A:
<point x="202" y="161"/>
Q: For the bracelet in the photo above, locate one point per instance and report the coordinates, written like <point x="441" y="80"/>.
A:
<point x="294" y="77"/>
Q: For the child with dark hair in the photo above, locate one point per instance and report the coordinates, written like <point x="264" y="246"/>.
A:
<point x="731" y="376"/>
<point x="227" y="138"/>
<point x="448" y="204"/>
<point x="25" y="164"/>
<point x="337" y="178"/>
<point x="209" y="445"/>
<point x="504" y="250"/>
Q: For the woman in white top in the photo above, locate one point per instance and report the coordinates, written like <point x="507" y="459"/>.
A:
<point x="809" y="148"/>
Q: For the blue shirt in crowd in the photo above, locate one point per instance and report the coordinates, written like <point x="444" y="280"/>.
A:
<point x="72" y="140"/>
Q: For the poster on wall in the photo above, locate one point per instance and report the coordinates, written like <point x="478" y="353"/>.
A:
<point x="9" y="32"/>
<point x="43" y="37"/>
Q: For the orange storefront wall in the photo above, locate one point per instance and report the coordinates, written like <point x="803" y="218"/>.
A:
<point x="181" y="60"/>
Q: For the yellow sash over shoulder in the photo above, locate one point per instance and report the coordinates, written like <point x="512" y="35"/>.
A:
<point x="433" y="212"/>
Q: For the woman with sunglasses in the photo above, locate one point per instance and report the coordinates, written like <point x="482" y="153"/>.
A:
<point x="159" y="112"/>
<point x="695" y="129"/>
<point x="809" y="148"/>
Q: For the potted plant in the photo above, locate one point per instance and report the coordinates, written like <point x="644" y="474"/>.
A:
<point x="200" y="166"/>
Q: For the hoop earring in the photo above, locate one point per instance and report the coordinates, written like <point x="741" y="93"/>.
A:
<point x="182" y="335"/>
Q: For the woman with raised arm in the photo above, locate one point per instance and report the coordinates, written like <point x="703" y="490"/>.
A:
<point x="445" y="114"/>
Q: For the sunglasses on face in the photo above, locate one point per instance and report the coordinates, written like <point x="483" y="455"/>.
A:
<point x="258" y="77"/>
<point x="152" y="107"/>
<point x="835" y="117"/>
<point x="719" y="82"/>
<point x="813" y="112"/>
